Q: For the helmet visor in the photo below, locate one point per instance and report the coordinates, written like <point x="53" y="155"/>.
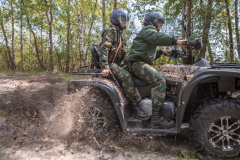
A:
<point x="123" y="20"/>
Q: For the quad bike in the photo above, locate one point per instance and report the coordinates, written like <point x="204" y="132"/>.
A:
<point x="204" y="95"/>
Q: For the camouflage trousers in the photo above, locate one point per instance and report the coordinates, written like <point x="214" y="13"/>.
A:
<point x="126" y="81"/>
<point x="150" y="75"/>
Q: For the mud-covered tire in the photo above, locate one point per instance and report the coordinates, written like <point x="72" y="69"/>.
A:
<point x="205" y="135"/>
<point x="98" y="101"/>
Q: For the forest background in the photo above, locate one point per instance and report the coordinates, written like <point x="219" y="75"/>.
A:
<point x="55" y="35"/>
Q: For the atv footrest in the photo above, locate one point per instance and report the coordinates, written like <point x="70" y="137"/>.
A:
<point x="144" y="131"/>
<point x="136" y="123"/>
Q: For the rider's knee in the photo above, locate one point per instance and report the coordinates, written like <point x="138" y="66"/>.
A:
<point x="127" y="75"/>
<point x="160" y="83"/>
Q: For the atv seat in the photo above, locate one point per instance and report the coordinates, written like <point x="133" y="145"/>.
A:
<point x="138" y="82"/>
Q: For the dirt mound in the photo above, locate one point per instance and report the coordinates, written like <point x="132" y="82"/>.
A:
<point x="38" y="119"/>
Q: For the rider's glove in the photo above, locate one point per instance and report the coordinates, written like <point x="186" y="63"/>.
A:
<point x="159" y="53"/>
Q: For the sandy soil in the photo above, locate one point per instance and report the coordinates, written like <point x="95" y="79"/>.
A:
<point x="37" y="121"/>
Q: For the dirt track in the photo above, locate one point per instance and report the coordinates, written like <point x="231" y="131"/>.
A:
<point x="37" y="122"/>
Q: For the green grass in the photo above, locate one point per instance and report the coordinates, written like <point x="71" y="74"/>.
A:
<point x="65" y="76"/>
<point x="61" y="74"/>
<point x="18" y="72"/>
<point x="186" y="154"/>
<point x="3" y="140"/>
<point x="2" y="112"/>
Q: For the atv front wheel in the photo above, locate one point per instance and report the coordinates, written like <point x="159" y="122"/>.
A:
<point x="215" y="128"/>
<point x="99" y="112"/>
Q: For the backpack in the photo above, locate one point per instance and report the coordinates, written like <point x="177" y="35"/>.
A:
<point x="95" y="56"/>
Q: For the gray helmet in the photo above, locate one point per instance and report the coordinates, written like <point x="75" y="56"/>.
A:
<point x="152" y="18"/>
<point x="117" y="15"/>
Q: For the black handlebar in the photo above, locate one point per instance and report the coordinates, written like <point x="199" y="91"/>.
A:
<point x="195" y="44"/>
<point x="177" y="54"/>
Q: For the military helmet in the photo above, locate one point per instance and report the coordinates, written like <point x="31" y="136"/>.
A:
<point x="118" y="15"/>
<point x="152" y="18"/>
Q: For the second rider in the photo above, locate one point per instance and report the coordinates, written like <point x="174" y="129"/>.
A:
<point x="112" y="51"/>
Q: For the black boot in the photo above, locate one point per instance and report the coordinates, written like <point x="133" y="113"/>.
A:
<point x="138" y="112"/>
<point x="157" y="121"/>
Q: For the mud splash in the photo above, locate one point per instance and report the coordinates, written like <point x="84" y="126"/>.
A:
<point x="39" y="120"/>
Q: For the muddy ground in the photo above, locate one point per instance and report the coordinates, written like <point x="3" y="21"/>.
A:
<point x="37" y="121"/>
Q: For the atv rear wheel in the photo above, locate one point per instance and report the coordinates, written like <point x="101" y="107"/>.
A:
<point x="215" y="128"/>
<point x="99" y="112"/>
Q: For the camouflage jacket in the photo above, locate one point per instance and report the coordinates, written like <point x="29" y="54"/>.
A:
<point x="145" y="44"/>
<point x="109" y="46"/>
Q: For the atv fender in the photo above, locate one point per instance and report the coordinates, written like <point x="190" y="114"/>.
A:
<point x="204" y="75"/>
<point x="114" y="92"/>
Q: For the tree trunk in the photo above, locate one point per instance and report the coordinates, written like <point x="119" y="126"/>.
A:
<point x="42" y="39"/>
<point x="236" y="27"/>
<point x="183" y="17"/>
<point x="35" y="41"/>
<point x="50" y="21"/>
<point x="13" y="49"/>
<point x="210" y="51"/>
<point x="21" y="41"/>
<point x="81" y="39"/>
<point x="36" y="44"/>
<point x="80" y="28"/>
<point x="6" y="41"/>
<point x="90" y="29"/>
<point x="230" y="31"/>
<point x="103" y="16"/>
<point x="50" y="36"/>
<point x="115" y="4"/>
<point x="206" y="29"/>
<point x="29" y="47"/>
<point x="59" y="61"/>
<point x="68" y="38"/>
<point x="5" y="56"/>
<point x="189" y="18"/>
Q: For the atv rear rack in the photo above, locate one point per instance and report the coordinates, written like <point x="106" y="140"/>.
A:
<point x="88" y="72"/>
<point x="225" y="65"/>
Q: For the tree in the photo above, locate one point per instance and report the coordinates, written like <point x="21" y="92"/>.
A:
<point x="13" y="49"/>
<point x="50" y="22"/>
<point x="115" y="4"/>
<point x="80" y="27"/>
<point x="183" y="16"/>
<point x="229" y="31"/>
<point x="189" y="18"/>
<point x="21" y="37"/>
<point x="91" y="25"/>
<point x="236" y="27"/>
<point x="103" y="16"/>
<point x="206" y="29"/>
<point x="36" y="44"/>
<point x="68" y="36"/>
<point x="11" y="64"/>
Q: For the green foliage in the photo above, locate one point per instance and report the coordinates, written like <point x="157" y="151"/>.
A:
<point x="38" y="13"/>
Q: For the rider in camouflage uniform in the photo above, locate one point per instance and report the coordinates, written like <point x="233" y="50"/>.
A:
<point x="141" y="57"/>
<point x="112" y="51"/>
